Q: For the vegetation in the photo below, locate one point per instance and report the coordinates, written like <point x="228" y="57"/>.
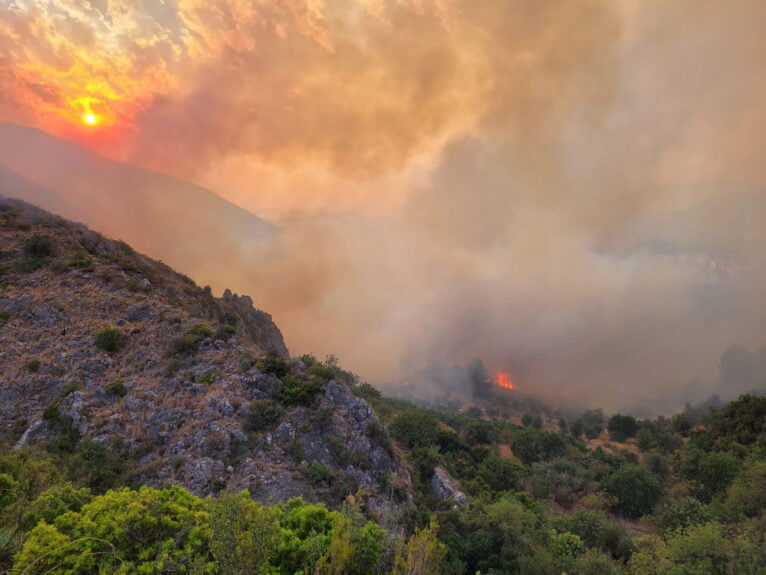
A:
<point x="109" y="339"/>
<point x="539" y="501"/>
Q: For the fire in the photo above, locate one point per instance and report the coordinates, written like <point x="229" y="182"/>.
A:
<point x="405" y="383"/>
<point x="504" y="380"/>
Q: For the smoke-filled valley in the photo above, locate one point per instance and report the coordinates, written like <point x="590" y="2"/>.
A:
<point x="572" y="192"/>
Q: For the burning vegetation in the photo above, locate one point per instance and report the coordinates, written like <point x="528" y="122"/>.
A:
<point x="504" y="380"/>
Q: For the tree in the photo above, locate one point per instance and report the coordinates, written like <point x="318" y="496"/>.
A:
<point x="244" y="535"/>
<point x="592" y="422"/>
<point x="477" y="376"/>
<point x="622" y="427"/>
<point x="711" y="472"/>
<point x="423" y="553"/>
<point x="124" y="531"/>
<point x="747" y="494"/>
<point x="415" y="428"/>
<point x="635" y="490"/>
<point x="531" y="445"/>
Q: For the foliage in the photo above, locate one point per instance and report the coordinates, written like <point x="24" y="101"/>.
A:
<point x="423" y="554"/>
<point x="109" y="339"/>
<point x="622" y="427"/>
<point x="121" y="532"/>
<point x="261" y="413"/>
<point x="272" y="363"/>
<point x="415" y="428"/>
<point x="243" y="534"/>
<point x="635" y="489"/>
<point x="116" y="388"/>
<point x="746" y="496"/>
<point x="591" y="423"/>
<point x="33" y="365"/>
<point x="38" y="246"/>
<point x="297" y="391"/>
<point x="210" y="376"/>
<point x="531" y="445"/>
<point x="480" y="382"/>
<point x="710" y="472"/>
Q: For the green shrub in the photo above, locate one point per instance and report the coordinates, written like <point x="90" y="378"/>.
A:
<point x="271" y="362"/>
<point x="262" y="413"/>
<point x="116" y="388"/>
<point x="317" y="473"/>
<point x="171" y="367"/>
<point x="185" y="344"/>
<point x="295" y="391"/>
<point x="296" y="451"/>
<point x="635" y="489"/>
<point x="209" y="377"/>
<point x="201" y="330"/>
<point x="81" y="260"/>
<point x="38" y="246"/>
<point x="415" y="428"/>
<point x="224" y="332"/>
<point x="109" y="339"/>
<point x="33" y="365"/>
<point x="188" y="343"/>
<point x="622" y="427"/>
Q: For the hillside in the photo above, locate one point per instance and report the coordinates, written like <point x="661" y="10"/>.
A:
<point x="107" y="351"/>
<point x="184" y="225"/>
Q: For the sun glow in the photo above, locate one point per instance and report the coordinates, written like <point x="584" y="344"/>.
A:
<point x="90" y="119"/>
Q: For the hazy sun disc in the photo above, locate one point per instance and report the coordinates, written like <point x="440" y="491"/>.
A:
<point x="89" y="119"/>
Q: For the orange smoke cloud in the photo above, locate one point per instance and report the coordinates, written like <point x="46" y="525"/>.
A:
<point x="504" y="380"/>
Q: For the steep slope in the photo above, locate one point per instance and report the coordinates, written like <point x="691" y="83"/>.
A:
<point x="182" y="224"/>
<point x="100" y="343"/>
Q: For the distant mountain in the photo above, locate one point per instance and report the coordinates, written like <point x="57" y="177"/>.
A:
<point x="99" y="343"/>
<point x="180" y="223"/>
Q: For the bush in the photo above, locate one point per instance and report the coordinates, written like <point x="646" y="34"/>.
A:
<point x="262" y="413"/>
<point x="635" y="489"/>
<point x="415" y="428"/>
<point x="209" y="377"/>
<point x="296" y="391"/>
<point x="33" y="365"/>
<point x="38" y="246"/>
<point x="200" y="330"/>
<point x="116" y="388"/>
<point x="186" y="344"/>
<point x="271" y="362"/>
<point x="109" y="339"/>
<point x="622" y="427"/>
<point x="317" y="473"/>
<point x="224" y="332"/>
<point x="531" y="445"/>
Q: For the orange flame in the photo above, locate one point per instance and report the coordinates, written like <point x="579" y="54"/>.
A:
<point x="404" y="383"/>
<point x="504" y="380"/>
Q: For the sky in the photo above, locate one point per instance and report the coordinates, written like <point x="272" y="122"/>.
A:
<point x="572" y="190"/>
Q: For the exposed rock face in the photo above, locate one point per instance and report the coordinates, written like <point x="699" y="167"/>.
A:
<point x="257" y="323"/>
<point x="443" y="487"/>
<point x="176" y="405"/>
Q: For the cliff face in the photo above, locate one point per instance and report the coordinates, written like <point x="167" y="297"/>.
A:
<point x="104" y="344"/>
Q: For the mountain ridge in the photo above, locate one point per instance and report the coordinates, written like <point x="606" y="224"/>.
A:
<point x="104" y="345"/>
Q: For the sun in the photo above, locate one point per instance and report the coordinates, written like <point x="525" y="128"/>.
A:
<point x="90" y="119"/>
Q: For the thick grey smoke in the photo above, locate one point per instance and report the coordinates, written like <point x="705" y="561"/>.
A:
<point x="573" y="191"/>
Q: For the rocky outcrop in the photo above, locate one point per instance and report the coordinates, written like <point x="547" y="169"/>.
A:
<point x="175" y="396"/>
<point x="443" y="487"/>
<point x="257" y="324"/>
